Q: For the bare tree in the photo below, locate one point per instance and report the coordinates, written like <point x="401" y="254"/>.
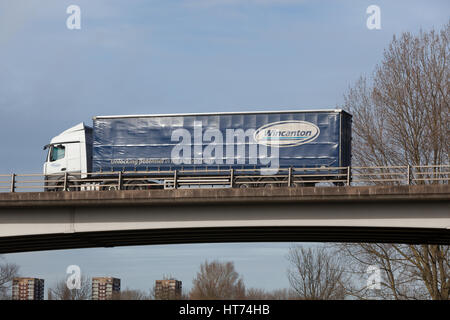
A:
<point x="279" y="294"/>
<point x="315" y="273"/>
<point x="7" y="272"/>
<point x="283" y="294"/>
<point x="401" y="114"/>
<point x="217" y="280"/>
<point x="400" y="117"/>
<point x="61" y="292"/>
<point x="130" y="294"/>
<point x="406" y="271"/>
<point x="256" y="294"/>
<point x="167" y="294"/>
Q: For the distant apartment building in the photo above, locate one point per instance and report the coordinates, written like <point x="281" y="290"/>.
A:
<point x="167" y="289"/>
<point x="105" y="288"/>
<point x="28" y="289"/>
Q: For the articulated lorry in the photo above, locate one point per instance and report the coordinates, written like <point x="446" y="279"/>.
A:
<point x="200" y="150"/>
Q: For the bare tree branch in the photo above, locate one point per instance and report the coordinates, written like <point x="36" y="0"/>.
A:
<point x="217" y="280"/>
<point x="61" y="292"/>
<point x="401" y="117"/>
<point x="7" y="272"/>
<point x="315" y="274"/>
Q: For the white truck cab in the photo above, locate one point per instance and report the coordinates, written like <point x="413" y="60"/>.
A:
<point x="70" y="152"/>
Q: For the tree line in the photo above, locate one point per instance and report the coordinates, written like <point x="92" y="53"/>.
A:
<point x="316" y="272"/>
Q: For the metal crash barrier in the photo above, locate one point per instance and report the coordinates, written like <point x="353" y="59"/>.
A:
<point x="226" y="178"/>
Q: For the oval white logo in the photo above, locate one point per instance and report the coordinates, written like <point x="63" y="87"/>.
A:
<point x="286" y="133"/>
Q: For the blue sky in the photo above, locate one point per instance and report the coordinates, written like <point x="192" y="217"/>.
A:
<point x="160" y="56"/>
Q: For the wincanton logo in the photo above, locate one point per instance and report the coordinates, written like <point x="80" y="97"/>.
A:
<point x="286" y="133"/>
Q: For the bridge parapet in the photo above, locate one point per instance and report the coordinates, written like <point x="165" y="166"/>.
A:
<point x="210" y="177"/>
<point x="227" y="195"/>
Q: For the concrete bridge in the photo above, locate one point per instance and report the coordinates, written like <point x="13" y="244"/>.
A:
<point x="65" y="220"/>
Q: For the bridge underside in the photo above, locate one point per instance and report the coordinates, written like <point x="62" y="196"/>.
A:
<point x="223" y="234"/>
<point x="69" y="220"/>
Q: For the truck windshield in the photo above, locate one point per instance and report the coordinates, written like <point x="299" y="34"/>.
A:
<point x="57" y="152"/>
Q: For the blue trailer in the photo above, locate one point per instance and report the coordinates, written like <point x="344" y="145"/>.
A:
<point x="262" y="143"/>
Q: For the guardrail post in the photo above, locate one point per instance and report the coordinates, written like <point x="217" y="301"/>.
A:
<point x="290" y="177"/>
<point x="231" y="178"/>
<point x="408" y="175"/>
<point x="65" y="181"/>
<point x="119" y="183"/>
<point x="13" y="182"/>
<point x="349" y="175"/>
<point x="175" y="179"/>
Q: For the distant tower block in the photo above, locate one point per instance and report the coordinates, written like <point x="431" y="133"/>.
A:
<point x="168" y="289"/>
<point x="105" y="288"/>
<point x="28" y="289"/>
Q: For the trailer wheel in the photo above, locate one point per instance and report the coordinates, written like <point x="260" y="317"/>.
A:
<point x="297" y="183"/>
<point x="270" y="183"/>
<point x="304" y="184"/>
<point x="135" y="185"/>
<point x="310" y="184"/>
<point x="109" y="187"/>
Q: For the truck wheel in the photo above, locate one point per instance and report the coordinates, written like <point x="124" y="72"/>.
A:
<point x="72" y="186"/>
<point x="55" y="186"/>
